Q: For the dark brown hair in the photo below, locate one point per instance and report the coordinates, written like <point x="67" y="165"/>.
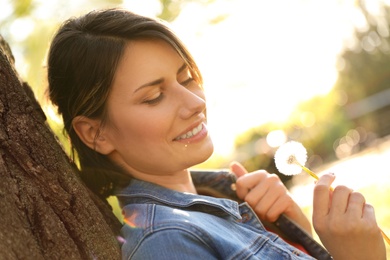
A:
<point x="82" y="61"/>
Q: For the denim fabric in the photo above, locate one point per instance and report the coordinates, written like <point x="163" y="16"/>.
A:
<point x="164" y="224"/>
<point x="219" y="184"/>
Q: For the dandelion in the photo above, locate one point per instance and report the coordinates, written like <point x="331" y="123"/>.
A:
<point x="290" y="159"/>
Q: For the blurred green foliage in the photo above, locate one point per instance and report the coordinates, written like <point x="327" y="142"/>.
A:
<point x="170" y="9"/>
<point x="22" y="7"/>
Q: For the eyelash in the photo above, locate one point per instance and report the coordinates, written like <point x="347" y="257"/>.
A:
<point x="155" y="100"/>
<point x="160" y="97"/>
<point x="187" y="81"/>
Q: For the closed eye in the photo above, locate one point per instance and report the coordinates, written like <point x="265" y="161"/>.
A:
<point x="154" y="100"/>
<point x="186" y="82"/>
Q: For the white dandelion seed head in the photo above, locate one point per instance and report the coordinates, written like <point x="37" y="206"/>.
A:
<point x="290" y="157"/>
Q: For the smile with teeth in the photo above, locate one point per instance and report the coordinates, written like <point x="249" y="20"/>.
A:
<point x="191" y="133"/>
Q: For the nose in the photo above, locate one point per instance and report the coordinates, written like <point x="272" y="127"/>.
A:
<point x="191" y="102"/>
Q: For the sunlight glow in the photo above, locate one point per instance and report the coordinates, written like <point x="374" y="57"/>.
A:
<point x="21" y="28"/>
<point x="148" y="8"/>
<point x="5" y="10"/>
<point x="259" y="58"/>
<point x="50" y="111"/>
<point x="262" y="60"/>
<point x="276" y="138"/>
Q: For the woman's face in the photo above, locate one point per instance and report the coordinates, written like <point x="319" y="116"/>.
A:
<point x="156" y="112"/>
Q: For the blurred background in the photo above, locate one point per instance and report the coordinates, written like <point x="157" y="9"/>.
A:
<point x="313" y="71"/>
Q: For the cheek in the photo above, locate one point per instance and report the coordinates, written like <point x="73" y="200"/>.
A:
<point x="136" y="133"/>
<point x="143" y="127"/>
<point x="134" y="125"/>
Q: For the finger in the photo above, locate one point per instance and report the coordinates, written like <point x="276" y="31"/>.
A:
<point x="258" y="195"/>
<point x="356" y="204"/>
<point x="264" y="209"/>
<point x="369" y="214"/>
<point x="265" y="194"/>
<point x="266" y="185"/>
<point x="269" y="208"/>
<point x="340" y="199"/>
<point x="321" y="196"/>
<point x="252" y="179"/>
<point x="238" y="169"/>
<point x="278" y="208"/>
<point x="249" y="181"/>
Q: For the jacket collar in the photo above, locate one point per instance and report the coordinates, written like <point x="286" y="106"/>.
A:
<point x="142" y="192"/>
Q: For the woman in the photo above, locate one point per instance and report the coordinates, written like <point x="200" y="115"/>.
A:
<point x="132" y="102"/>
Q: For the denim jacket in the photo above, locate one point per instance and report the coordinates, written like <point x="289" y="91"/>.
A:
<point x="165" y="224"/>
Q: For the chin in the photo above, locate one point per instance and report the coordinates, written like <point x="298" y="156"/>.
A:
<point x="197" y="154"/>
<point x="205" y="153"/>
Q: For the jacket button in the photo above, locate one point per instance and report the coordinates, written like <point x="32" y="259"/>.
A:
<point x="245" y="217"/>
<point x="295" y="252"/>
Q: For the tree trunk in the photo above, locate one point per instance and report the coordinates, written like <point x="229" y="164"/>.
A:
<point x="45" y="210"/>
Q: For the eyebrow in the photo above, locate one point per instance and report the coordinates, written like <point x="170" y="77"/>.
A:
<point x="160" y="80"/>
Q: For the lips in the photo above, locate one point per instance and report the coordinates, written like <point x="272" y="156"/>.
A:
<point x="190" y="133"/>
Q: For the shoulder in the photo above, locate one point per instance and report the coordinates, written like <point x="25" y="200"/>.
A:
<point x="151" y="218"/>
<point x="151" y="230"/>
<point x="169" y="243"/>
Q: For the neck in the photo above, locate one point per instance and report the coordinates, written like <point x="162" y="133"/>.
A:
<point x="180" y="181"/>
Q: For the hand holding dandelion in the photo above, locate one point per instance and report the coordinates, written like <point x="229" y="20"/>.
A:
<point x="290" y="159"/>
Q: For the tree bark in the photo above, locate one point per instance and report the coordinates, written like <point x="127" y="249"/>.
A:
<point x="45" y="210"/>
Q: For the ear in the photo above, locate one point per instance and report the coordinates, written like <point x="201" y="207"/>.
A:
<point x="89" y="131"/>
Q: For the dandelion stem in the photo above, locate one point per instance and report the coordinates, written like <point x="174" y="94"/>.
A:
<point x="387" y="239"/>
<point x="311" y="173"/>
